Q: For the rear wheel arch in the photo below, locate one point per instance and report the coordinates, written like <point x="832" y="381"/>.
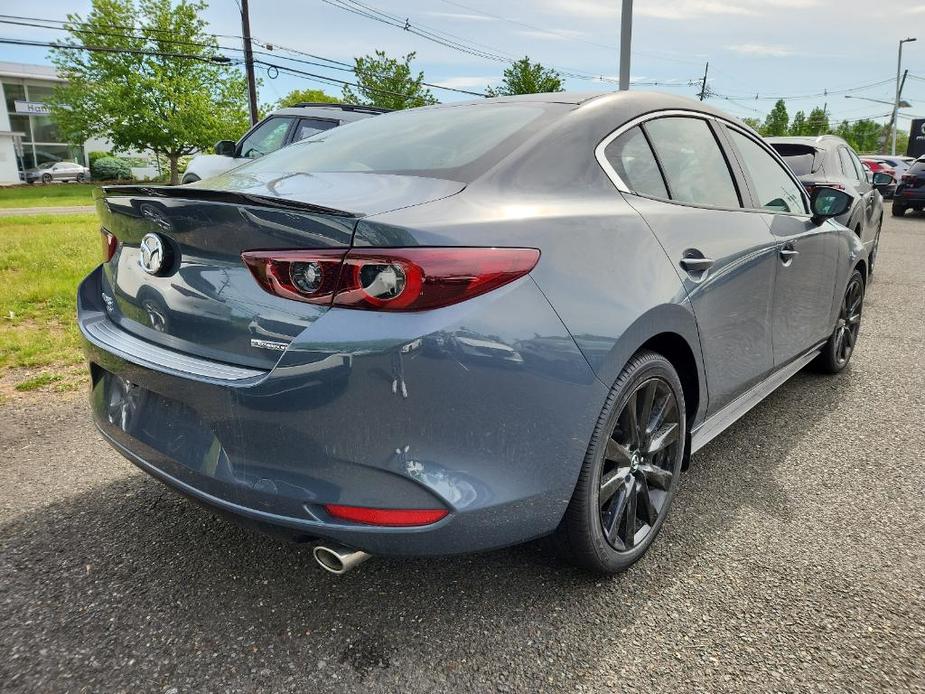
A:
<point x="676" y="350"/>
<point x="861" y="266"/>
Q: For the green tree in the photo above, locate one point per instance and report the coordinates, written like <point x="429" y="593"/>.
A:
<point x="147" y="91"/>
<point x="387" y="83"/>
<point x="306" y="96"/>
<point x="798" y="124"/>
<point x="776" y="122"/>
<point x="817" y="123"/>
<point x="753" y="123"/>
<point x="524" y="77"/>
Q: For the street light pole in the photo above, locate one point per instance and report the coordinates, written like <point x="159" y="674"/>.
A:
<point x="899" y="65"/>
<point x="626" y="39"/>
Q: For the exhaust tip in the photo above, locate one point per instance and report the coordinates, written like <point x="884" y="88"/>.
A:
<point x="338" y="560"/>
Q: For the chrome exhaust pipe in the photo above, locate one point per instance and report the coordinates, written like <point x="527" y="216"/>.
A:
<point x="338" y="559"/>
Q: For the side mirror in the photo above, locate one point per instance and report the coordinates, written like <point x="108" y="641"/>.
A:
<point x="829" y="202"/>
<point x="882" y="178"/>
<point x="226" y="148"/>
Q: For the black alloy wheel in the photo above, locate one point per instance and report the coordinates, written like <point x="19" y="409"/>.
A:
<point x="638" y="465"/>
<point x="840" y="346"/>
<point x="631" y="470"/>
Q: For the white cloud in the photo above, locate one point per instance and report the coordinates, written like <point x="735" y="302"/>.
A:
<point x="462" y="16"/>
<point x="468" y="81"/>
<point x="549" y="35"/>
<point x="762" y="49"/>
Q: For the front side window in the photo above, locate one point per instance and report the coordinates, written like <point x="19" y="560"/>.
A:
<point x="268" y="137"/>
<point x="692" y="162"/>
<point x="774" y="189"/>
<point x="633" y="160"/>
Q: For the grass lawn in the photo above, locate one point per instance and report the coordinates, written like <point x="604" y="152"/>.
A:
<point x="52" y="195"/>
<point x="42" y="260"/>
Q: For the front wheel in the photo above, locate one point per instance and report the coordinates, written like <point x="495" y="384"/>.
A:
<point x="840" y="346"/>
<point x="631" y="470"/>
<point x="81" y="178"/>
<point x="46" y="178"/>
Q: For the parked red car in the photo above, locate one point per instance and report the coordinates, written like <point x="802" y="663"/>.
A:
<point x="877" y="166"/>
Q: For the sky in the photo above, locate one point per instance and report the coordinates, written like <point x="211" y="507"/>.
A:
<point x="817" y="50"/>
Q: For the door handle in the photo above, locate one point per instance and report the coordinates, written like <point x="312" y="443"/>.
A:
<point x="787" y="252"/>
<point x="696" y="264"/>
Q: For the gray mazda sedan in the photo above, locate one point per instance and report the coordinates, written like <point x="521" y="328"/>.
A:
<point x="461" y="327"/>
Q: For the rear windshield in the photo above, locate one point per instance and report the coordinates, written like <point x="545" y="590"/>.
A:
<point x="444" y="142"/>
<point x="801" y="159"/>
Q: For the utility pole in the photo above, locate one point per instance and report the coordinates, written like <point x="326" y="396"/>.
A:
<point x="890" y="128"/>
<point x="626" y="40"/>
<point x="703" y="86"/>
<point x="899" y="65"/>
<point x="249" y="63"/>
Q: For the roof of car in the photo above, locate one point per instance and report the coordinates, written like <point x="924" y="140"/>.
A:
<point x="343" y="112"/>
<point x="818" y="141"/>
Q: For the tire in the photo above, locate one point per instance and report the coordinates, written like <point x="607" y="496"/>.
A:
<point x="874" y="252"/>
<point x="898" y="209"/>
<point x="840" y="346"/>
<point x="46" y="179"/>
<point x="81" y="178"/>
<point x="642" y="485"/>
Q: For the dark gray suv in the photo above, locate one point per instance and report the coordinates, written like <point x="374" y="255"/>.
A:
<point x="829" y="161"/>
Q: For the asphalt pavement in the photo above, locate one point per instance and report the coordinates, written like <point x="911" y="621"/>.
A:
<point x="792" y="561"/>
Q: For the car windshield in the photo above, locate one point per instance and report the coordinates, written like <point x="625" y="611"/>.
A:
<point x="46" y="165"/>
<point x="800" y="158"/>
<point x="439" y="142"/>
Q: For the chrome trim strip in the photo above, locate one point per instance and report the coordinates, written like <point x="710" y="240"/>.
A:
<point x="718" y="422"/>
<point x="108" y="336"/>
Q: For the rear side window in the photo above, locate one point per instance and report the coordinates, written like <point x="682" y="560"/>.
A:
<point x="633" y="160"/>
<point x="774" y="188"/>
<point x="847" y="166"/>
<point x="693" y="164"/>
<point x="311" y="126"/>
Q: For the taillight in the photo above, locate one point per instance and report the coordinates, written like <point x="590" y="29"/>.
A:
<point x="110" y="243"/>
<point x="309" y="276"/>
<point x="393" y="279"/>
<point x="395" y="517"/>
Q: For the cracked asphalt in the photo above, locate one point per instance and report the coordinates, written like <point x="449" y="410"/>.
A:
<point x="792" y="561"/>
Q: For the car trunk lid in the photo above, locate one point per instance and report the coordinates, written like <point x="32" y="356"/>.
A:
<point x="200" y="298"/>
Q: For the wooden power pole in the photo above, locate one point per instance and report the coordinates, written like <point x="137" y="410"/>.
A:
<point x="249" y="64"/>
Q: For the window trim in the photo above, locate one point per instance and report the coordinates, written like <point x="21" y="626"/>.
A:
<point x="739" y="176"/>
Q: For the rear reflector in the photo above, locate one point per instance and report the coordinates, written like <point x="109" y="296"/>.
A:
<point x="110" y="243"/>
<point x="389" y="279"/>
<point x="386" y="516"/>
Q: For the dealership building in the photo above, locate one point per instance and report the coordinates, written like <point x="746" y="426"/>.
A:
<point x="28" y="135"/>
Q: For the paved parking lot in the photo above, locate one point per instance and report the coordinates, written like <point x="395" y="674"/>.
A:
<point x="793" y="561"/>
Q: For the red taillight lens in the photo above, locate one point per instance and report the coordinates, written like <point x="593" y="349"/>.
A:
<point x="309" y="276"/>
<point x="396" y="517"/>
<point x="110" y="243"/>
<point x="405" y="279"/>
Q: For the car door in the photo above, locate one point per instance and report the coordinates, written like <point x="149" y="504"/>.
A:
<point x="58" y="171"/>
<point x="807" y="253"/>
<point x="724" y="255"/>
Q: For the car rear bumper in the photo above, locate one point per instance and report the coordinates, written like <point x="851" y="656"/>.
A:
<point x="364" y="409"/>
<point x="910" y="195"/>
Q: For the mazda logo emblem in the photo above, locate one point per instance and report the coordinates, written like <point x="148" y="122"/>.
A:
<point x="151" y="254"/>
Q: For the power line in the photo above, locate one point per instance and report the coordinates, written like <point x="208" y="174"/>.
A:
<point x="218" y="59"/>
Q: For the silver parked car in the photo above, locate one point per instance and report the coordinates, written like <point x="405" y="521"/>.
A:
<point x="57" y="171"/>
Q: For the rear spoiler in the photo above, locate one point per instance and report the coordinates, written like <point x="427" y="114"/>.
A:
<point x="223" y="196"/>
